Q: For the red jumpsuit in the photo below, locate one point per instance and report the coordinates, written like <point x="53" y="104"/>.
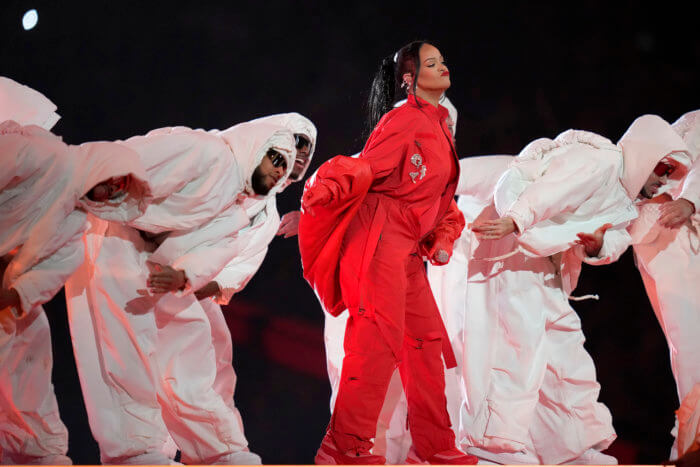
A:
<point x="364" y="252"/>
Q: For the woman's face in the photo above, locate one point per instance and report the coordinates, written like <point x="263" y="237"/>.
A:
<point x="433" y="74"/>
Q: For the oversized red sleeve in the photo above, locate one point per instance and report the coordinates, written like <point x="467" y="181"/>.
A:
<point x="321" y="234"/>
<point x="386" y="147"/>
<point x="445" y="234"/>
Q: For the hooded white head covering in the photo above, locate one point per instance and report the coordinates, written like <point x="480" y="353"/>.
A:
<point x="251" y="140"/>
<point x="648" y="140"/>
<point x="297" y="124"/>
<point x="688" y="128"/>
<point x="197" y="174"/>
<point x="25" y="105"/>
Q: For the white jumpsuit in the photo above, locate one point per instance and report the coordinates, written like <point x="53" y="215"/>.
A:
<point x="250" y="245"/>
<point x="42" y="183"/>
<point x="669" y="263"/>
<point x="147" y="362"/>
<point x="518" y="343"/>
<point x="553" y="190"/>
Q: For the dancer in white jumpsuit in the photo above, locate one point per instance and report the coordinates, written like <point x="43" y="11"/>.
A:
<point x="480" y="298"/>
<point x="667" y="252"/>
<point x="45" y="190"/>
<point x="393" y="439"/>
<point x="554" y="191"/>
<point x="146" y="357"/>
<point x="251" y="244"/>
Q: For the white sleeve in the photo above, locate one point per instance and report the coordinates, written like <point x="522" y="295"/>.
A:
<point x="40" y="283"/>
<point x="691" y="186"/>
<point x="203" y="252"/>
<point x="570" y="179"/>
<point x="645" y="228"/>
<point x="251" y="244"/>
<point x="194" y="176"/>
<point x="478" y="175"/>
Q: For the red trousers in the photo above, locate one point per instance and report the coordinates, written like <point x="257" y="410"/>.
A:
<point x="401" y="327"/>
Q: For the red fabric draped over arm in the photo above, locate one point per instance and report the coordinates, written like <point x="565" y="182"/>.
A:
<point x="321" y="235"/>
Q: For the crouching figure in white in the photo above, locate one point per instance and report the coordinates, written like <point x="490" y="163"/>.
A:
<point x="569" y="200"/>
<point x="667" y="251"/>
<point x="47" y="188"/>
<point x="143" y="342"/>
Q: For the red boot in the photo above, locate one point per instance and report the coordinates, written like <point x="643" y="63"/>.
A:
<point x="328" y="454"/>
<point x="449" y="457"/>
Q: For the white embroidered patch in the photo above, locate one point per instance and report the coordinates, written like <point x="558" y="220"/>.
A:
<point x="417" y="160"/>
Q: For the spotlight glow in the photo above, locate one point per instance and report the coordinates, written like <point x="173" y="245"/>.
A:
<point x="30" y="19"/>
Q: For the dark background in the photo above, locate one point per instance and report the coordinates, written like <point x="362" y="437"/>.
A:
<point x="519" y="71"/>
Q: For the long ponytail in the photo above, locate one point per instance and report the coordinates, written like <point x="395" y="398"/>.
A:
<point x="389" y="79"/>
<point x="382" y="94"/>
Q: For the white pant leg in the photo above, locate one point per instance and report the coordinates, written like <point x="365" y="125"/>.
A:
<point x="688" y="418"/>
<point x="464" y="304"/>
<point x="677" y="311"/>
<point x="670" y="276"/>
<point x="225" y="381"/>
<point x="518" y="358"/>
<point x="393" y="439"/>
<point x="31" y="431"/>
<point x="333" y="338"/>
<point x="199" y="420"/>
<point x="114" y="337"/>
<point x="569" y="420"/>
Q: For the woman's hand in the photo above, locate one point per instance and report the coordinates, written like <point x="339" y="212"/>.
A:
<point x="494" y="229"/>
<point x="440" y="257"/>
<point x="166" y="279"/>
<point x="592" y="243"/>
<point x="675" y="213"/>
<point x="289" y="225"/>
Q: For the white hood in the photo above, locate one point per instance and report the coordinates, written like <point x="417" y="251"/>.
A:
<point x="688" y="128"/>
<point x="297" y="124"/>
<point x="250" y="141"/>
<point x="25" y="105"/>
<point x="648" y="140"/>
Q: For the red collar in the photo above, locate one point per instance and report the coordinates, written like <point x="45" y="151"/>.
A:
<point x="440" y="113"/>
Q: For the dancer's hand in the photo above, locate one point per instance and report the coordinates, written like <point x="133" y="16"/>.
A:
<point x="592" y="243"/>
<point x="8" y="324"/>
<point x="289" y="225"/>
<point x="494" y="229"/>
<point x="675" y="213"/>
<point x="209" y="290"/>
<point x="9" y="299"/>
<point x="166" y="279"/>
<point x="316" y="195"/>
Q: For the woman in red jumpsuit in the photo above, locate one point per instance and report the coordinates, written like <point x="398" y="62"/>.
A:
<point x="367" y="225"/>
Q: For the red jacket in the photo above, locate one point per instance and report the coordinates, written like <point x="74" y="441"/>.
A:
<point x="408" y="166"/>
